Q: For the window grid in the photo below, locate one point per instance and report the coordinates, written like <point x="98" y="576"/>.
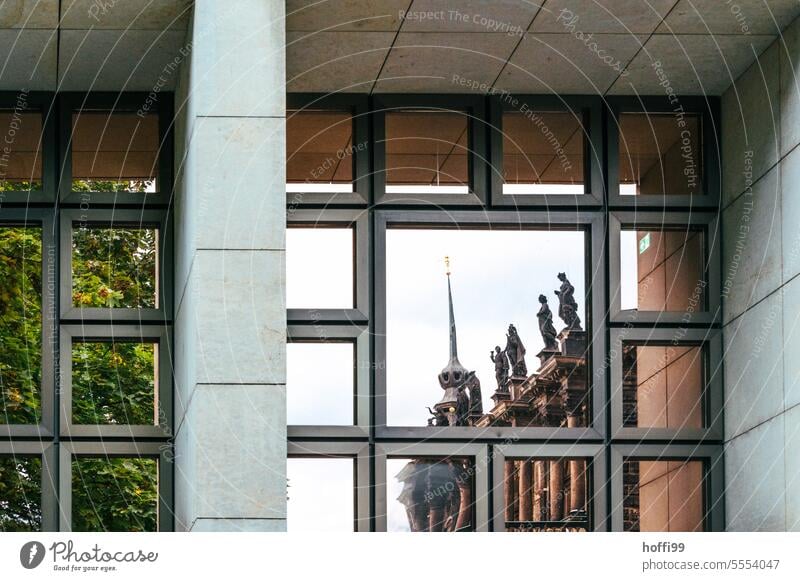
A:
<point x="55" y="209"/>
<point x="598" y="212"/>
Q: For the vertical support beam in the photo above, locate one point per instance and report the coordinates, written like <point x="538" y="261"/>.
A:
<point x="230" y="321"/>
<point x="556" y="489"/>
<point x="525" y="496"/>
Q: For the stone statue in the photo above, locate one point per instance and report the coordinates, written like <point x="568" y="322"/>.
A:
<point x="567" y="307"/>
<point x="546" y="327"/>
<point x="473" y="384"/>
<point x="516" y="353"/>
<point x="500" y="361"/>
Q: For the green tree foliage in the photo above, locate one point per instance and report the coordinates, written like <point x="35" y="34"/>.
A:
<point x="115" y="494"/>
<point x="114" y="267"/>
<point x="134" y="186"/>
<point x="20" y="324"/>
<point x="20" y="494"/>
<point x="113" y="383"/>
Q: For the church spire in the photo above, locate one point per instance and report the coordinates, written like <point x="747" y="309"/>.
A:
<point x="454" y="376"/>
<point x="453" y="339"/>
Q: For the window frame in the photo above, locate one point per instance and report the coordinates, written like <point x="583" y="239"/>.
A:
<point x="480" y="458"/>
<point x="473" y="107"/>
<point x="595" y="455"/>
<point x="121" y="219"/>
<point x="554" y="221"/>
<point x="103" y="450"/>
<point x="40" y="218"/>
<point x="710" y="342"/>
<point x="661" y="221"/>
<point x="358" y="452"/>
<point x="711" y="148"/>
<point x="713" y="477"/>
<point x="44" y="102"/>
<point x="47" y="452"/>
<point x="590" y="110"/>
<point x="358" y="336"/>
<point x="122" y="334"/>
<point x="356" y="105"/>
<point x="70" y="102"/>
<point x="338" y="218"/>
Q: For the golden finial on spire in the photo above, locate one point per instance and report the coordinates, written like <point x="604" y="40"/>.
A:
<point x="447" y="265"/>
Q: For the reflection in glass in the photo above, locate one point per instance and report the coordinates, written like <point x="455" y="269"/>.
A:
<point x="21" y="156"/>
<point x="662" y="386"/>
<point x="662" y="270"/>
<point x="515" y="360"/>
<point x="114" y="494"/>
<point x="319" y="268"/>
<point x="320" y="383"/>
<point x="660" y="154"/>
<point x="20" y="325"/>
<point x="114" y="267"/>
<point x="114" y="152"/>
<point x="114" y="383"/>
<point x="319" y="151"/>
<point x="427" y="152"/>
<point x="663" y="495"/>
<point x="430" y="494"/>
<point x="542" y="153"/>
<point x="320" y="495"/>
<point x="20" y="494"/>
<point x="546" y="494"/>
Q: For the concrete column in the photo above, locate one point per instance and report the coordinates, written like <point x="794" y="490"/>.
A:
<point x="510" y="490"/>
<point x="230" y="321"/>
<point x="525" y="496"/>
<point x="556" y="490"/>
<point x="539" y="498"/>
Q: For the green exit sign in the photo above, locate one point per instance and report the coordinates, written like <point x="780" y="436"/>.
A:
<point x="644" y="243"/>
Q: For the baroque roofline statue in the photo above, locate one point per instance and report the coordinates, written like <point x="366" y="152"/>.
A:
<point x="567" y="307"/>
<point x="546" y="328"/>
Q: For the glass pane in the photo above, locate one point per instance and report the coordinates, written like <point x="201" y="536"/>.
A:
<point x="662" y="270"/>
<point x="321" y="495"/>
<point x="20" y="325"/>
<point x="20" y="494"/>
<point x="427" y="152"/>
<point x="114" y="494"/>
<point x="319" y="268"/>
<point x="320" y="383"/>
<point x="319" y="151"/>
<point x="660" y="154"/>
<point x="430" y="494"/>
<point x="542" y="153"/>
<point x="663" y="495"/>
<point x="114" y="152"/>
<point x="114" y="267"/>
<point x="489" y="297"/>
<point x="114" y="383"/>
<point x="546" y="494"/>
<point x="662" y="386"/>
<point x="21" y="155"/>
